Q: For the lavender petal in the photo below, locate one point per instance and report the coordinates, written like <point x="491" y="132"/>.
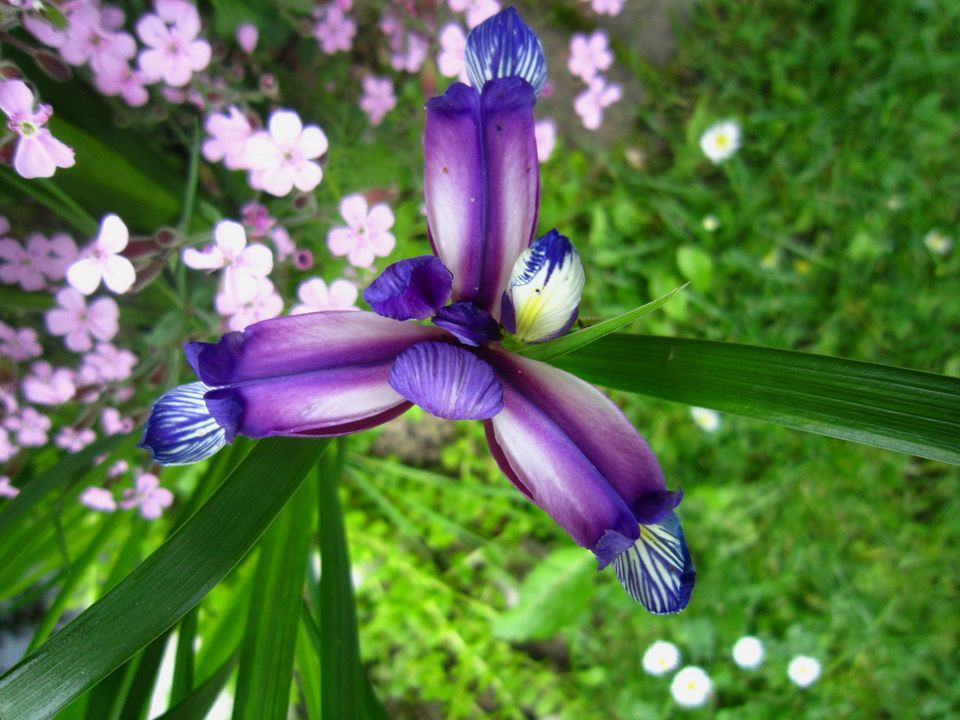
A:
<point x="411" y="289"/>
<point x="470" y="324"/>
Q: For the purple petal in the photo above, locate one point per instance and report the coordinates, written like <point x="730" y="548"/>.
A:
<point x="468" y="323"/>
<point x="575" y="455"/>
<point x="505" y="46"/>
<point x="303" y="344"/>
<point x="181" y="430"/>
<point x="448" y="381"/>
<point x="657" y="570"/>
<point x="454" y="185"/>
<point x="412" y="289"/>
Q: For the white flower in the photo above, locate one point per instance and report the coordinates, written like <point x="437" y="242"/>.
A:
<point x="710" y="223"/>
<point x="691" y="687"/>
<point x="803" y="670"/>
<point x="748" y="652"/>
<point x="708" y="420"/>
<point x="721" y="140"/>
<point x="102" y="260"/>
<point x="937" y="242"/>
<point x="661" y="658"/>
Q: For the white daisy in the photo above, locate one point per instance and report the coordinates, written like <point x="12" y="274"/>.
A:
<point x="708" y="420"/>
<point x="661" y="658"/>
<point x="720" y="140"/>
<point x="691" y="687"/>
<point x="748" y="652"/>
<point x="937" y="242"/>
<point x="803" y="670"/>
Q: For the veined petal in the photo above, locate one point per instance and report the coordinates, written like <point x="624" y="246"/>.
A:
<point x="448" y="381"/>
<point x="454" y="186"/>
<point x="470" y="324"/>
<point x="304" y="344"/>
<point x="543" y="295"/>
<point x="180" y="429"/>
<point x="504" y="46"/>
<point x="657" y="570"/>
<point x="411" y="289"/>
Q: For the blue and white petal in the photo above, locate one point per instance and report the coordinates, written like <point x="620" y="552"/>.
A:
<point x="657" y="570"/>
<point x="180" y="429"/>
<point x="504" y="46"/>
<point x="543" y="294"/>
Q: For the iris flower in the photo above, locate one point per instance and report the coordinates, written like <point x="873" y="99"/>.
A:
<point x="559" y="440"/>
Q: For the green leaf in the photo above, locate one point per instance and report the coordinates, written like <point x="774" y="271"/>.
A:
<point x="198" y="703"/>
<point x="696" y="266"/>
<point x="572" y="341"/>
<point x="165" y="586"/>
<point x="266" y="661"/>
<point x="892" y="408"/>
<point x="552" y="596"/>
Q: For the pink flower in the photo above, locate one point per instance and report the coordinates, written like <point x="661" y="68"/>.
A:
<point x="315" y="296"/>
<point x="79" y="323"/>
<point x="477" y="10"/>
<point x="229" y="133"/>
<point x="453" y="48"/>
<point x="8" y="399"/>
<point x="257" y="219"/>
<point x="19" y="344"/>
<point x="113" y="423"/>
<point x="244" y="267"/>
<point x="148" y="496"/>
<point x="588" y="55"/>
<point x="264" y="305"/>
<point x="23" y="265"/>
<point x="73" y="440"/>
<point x="38" y="153"/>
<point x="173" y="53"/>
<point x="282" y="242"/>
<point x="6" y="489"/>
<point x="334" y="30"/>
<point x="106" y="364"/>
<point x="118" y="468"/>
<point x="102" y="260"/>
<point x="125" y="81"/>
<point x="30" y="427"/>
<point x="546" y="133"/>
<point x="61" y="252"/>
<point x="591" y="103"/>
<point x="247" y="36"/>
<point x="7" y="448"/>
<point x="606" y="7"/>
<point x="97" y="498"/>
<point x="409" y="55"/>
<point x="280" y="157"/>
<point x="378" y="98"/>
<point x="366" y="235"/>
<point x="46" y="385"/>
<point x="87" y="40"/>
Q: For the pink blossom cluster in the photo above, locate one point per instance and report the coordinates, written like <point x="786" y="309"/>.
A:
<point x="476" y="10"/>
<point x="172" y="49"/>
<point x="367" y="233"/>
<point x="37" y="263"/>
<point x="38" y="153"/>
<point x="279" y="158"/>
<point x="589" y="56"/>
<point x="451" y="60"/>
<point x="606" y="7"/>
<point x="334" y="29"/>
<point x="378" y="98"/>
<point x="146" y="495"/>
<point x="408" y="49"/>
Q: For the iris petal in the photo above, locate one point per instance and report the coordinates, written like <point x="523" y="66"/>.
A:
<point x="448" y="381"/>
<point x="181" y="429"/>
<point x="656" y="570"/>
<point x="411" y="289"/>
<point x="470" y="324"/>
<point x="504" y="46"/>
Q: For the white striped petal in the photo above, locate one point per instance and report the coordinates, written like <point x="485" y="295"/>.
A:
<point x="657" y="571"/>
<point x="180" y="429"/>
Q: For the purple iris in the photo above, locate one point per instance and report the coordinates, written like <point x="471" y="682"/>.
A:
<point x="558" y="439"/>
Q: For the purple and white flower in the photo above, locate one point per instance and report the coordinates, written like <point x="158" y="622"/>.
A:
<point x="559" y="440"/>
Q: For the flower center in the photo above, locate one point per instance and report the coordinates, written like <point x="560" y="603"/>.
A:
<point x="26" y="128"/>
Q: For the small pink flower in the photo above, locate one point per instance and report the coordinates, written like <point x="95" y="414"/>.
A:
<point x="24" y="265"/>
<point x="282" y="242"/>
<point x="102" y="260"/>
<point x="591" y="103"/>
<point x="367" y="233"/>
<point x="6" y="489"/>
<point x="244" y="266"/>
<point x="118" y="468"/>
<point x="8" y="399"/>
<point x="19" y="344"/>
<point x="546" y="133"/>
<point x="453" y="49"/>
<point x="38" y="153"/>
<point x="477" y="10"/>
<point x="7" y="448"/>
<point x="378" y="98"/>
<point x="410" y="53"/>
<point x="589" y="55"/>
<point x="315" y="296"/>
<point x="606" y="7"/>
<point x="257" y="219"/>
<point x="303" y="259"/>
<point x="125" y="81"/>
<point x="73" y="440"/>
<point x="148" y="496"/>
<point x="30" y="427"/>
<point x="247" y="36"/>
<point x="105" y="364"/>
<point x="113" y="423"/>
<point x="173" y="53"/>
<point x="264" y="305"/>
<point x="334" y="30"/>
<point x="281" y="157"/>
<point x="61" y="253"/>
<point x="97" y="498"/>
<point x="80" y="323"/>
<point x="46" y="385"/>
<point x="229" y="132"/>
<point x="87" y="40"/>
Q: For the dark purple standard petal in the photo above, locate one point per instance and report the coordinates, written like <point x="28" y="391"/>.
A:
<point x="448" y="381"/>
<point x="411" y="289"/>
<point x="468" y="323"/>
